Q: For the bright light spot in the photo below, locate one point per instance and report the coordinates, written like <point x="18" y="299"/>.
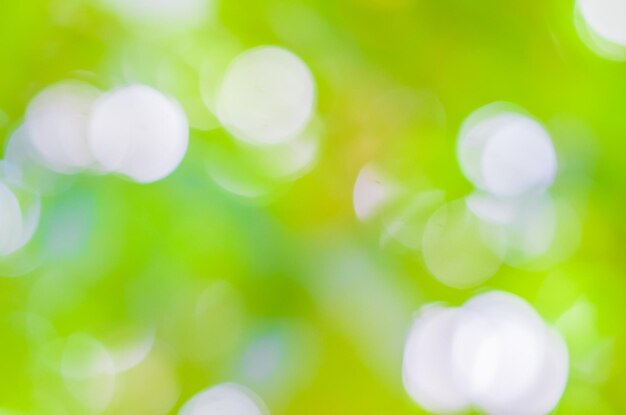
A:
<point x="505" y="152"/>
<point x="139" y="132"/>
<point x="427" y="368"/>
<point x="372" y="192"/>
<point x="56" y="124"/>
<point x="602" y="25"/>
<point x="459" y="249"/>
<point x="513" y="347"/>
<point x="494" y="353"/>
<point x="549" y="384"/>
<point x="225" y="399"/>
<point x="266" y="97"/>
<point x="168" y="14"/>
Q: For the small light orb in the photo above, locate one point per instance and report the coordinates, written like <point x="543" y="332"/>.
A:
<point x="167" y="14"/>
<point x="372" y="192"/>
<point x="56" y="125"/>
<point x="266" y="97"/>
<point x="225" y="399"/>
<point x="139" y="132"/>
<point x="427" y="367"/>
<point x="459" y="249"/>
<point x="505" y="152"/>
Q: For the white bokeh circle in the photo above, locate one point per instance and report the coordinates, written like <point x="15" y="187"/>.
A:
<point x="138" y="131"/>
<point x="505" y="152"/>
<point x="266" y="97"/>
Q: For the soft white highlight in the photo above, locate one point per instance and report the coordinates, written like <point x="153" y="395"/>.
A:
<point x="266" y="97"/>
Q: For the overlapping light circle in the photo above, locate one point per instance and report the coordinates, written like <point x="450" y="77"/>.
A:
<point x="133" y="130"/>
<point x="505" y="152"/>
<point x="139" y="132"/>
<point x="56" y="124"/>
<point x="70" y="128"/>
<point x="494" y="353"/>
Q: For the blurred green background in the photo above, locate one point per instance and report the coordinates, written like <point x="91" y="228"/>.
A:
<point x="217" y="282"/>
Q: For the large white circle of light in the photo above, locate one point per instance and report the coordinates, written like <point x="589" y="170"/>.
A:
<point x="427" y="369"/>
<point x="607" y="18"/>
<point x="498" y="349"/>
<point x="225" y="399"/>
<point x="56" y="125"/>
<point x="505" y="152"/>
<point x="494" y="353"/>
<point x="266" y="97"/>
<point x="139" y="132"/>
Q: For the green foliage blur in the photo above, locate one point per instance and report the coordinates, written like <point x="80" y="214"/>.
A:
<point x="210" y="275"/>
